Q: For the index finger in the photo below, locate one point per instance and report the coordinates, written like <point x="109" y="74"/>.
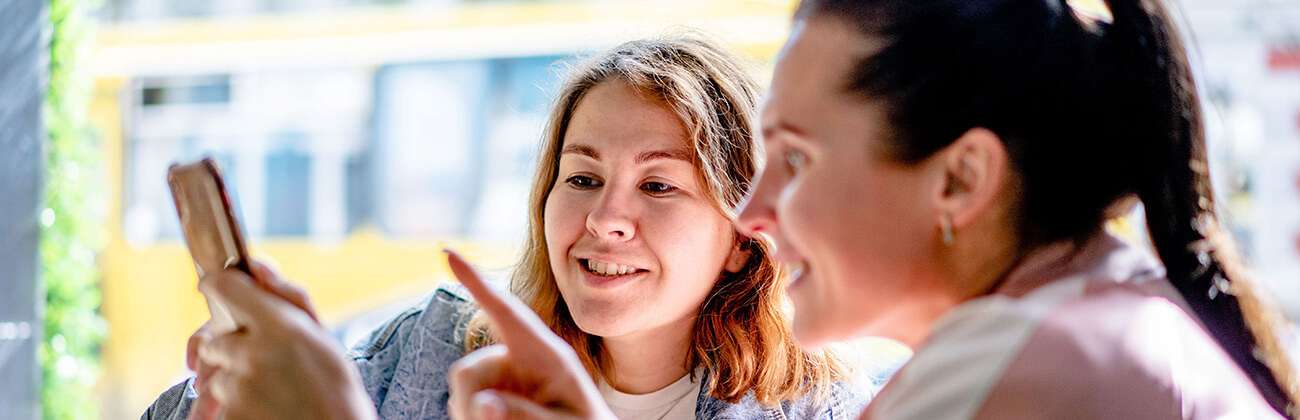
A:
<point x="516" y="324"/>
<point x="275" y="283"/>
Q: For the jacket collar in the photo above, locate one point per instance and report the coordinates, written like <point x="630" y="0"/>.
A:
<point x="707" y="407"/>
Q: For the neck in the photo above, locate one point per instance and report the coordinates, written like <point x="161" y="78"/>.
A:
<point x="647" y="361"/>
<point x="911" y="324"/>
<point x="968" y="269"/>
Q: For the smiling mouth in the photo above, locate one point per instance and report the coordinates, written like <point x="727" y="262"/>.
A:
<point x="608" y="269"/>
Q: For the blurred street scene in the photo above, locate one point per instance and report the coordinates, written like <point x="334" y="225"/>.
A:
<point x="362" y="136"/>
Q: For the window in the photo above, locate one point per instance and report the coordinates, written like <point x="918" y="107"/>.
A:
<point x="455" y="144"/>
<point x="288" y="190"/>
<point x="190" y="90"/>
<point x="292" y="146"/>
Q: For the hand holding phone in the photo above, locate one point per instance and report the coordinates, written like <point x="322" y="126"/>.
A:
<point x="212" y="231"/>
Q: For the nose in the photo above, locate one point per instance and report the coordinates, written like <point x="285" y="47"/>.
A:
<point x="757" y="214"/>
<point x="612" y="220"/>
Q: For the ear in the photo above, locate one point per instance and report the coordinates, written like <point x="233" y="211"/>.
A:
<point x="974" y="170"/>
<point x="739" y="255"/>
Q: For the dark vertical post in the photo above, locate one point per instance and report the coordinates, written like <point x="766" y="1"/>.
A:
<point x="23" y="57"/>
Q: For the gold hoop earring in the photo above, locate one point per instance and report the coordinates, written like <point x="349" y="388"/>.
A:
<point x="945" y="227"/>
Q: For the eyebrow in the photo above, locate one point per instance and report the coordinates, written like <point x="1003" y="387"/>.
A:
<point x="771" y="130"/>
<point x="580" y="149"/>
<point x="588" y="151"/>
<point x="678" y="154"/>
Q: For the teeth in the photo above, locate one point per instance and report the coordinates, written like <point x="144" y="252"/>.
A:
<point x="609" y="269"/>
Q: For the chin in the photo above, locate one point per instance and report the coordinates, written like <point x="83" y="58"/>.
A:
<point x="599" y="319"/>
<point x="807" y="323"/>
<point x="809" y="333"/>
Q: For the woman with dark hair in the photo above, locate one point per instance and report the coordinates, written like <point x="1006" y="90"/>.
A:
<point x="992" y="140"/>
<point x="941" y="171"/>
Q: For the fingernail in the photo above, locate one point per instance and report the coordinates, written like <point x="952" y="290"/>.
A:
<point x="489" y="405"/>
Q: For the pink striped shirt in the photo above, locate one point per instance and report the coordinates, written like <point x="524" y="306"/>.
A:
<point x="1080" y="333"/>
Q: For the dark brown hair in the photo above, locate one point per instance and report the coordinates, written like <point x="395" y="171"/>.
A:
<point x="1092" y="108"/>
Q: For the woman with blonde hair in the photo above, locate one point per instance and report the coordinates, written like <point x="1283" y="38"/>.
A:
<point x="631" y="258"/>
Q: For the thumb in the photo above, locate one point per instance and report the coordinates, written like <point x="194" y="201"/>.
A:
<point x="493" y="405"/>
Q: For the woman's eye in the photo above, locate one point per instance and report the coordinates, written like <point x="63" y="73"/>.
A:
<point x="657" y="188"/>
<point x="795" y="160"/>
<point x="582" y="182"/>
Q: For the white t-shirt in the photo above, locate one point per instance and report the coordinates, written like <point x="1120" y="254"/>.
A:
<point x="675" y="401"/>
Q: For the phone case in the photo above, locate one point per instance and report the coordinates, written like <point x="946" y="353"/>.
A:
<point x="212" y="231"/>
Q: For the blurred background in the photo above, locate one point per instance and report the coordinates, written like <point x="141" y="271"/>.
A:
<point x="361" y="136"/>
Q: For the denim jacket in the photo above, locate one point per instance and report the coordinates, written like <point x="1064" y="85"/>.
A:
<point x="403" y="366"/>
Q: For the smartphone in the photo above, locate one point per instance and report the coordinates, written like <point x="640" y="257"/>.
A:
<point x="211" y="228"/>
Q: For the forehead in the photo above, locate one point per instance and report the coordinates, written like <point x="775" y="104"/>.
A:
<point x="813" y="67"/>
<point x="615" y="117"/>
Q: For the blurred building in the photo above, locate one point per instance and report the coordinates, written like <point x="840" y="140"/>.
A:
<point x="154" y="10"/>
<point x="1247" y="54"/>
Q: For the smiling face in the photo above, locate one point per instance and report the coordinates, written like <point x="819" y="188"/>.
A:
<point x="633" y="239"/>
<point x="857" y="225"/>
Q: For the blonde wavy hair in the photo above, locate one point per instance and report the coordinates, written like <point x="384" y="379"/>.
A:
<point x="742" y="333"/>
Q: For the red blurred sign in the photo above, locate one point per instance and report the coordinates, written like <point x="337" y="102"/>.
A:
<point x="1284" y="58"/>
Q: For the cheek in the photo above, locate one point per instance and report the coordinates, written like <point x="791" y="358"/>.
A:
<point x="563" y="222"/>
<point x="887" y="213"/>
<point x="858" y="224"/>
<point x="690" y="242"/>
<point x="863" y="234"/>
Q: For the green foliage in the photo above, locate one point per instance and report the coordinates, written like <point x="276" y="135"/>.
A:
<point x="72" y="225"/>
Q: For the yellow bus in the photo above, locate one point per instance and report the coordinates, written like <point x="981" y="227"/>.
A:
<point x="357" y="143"/>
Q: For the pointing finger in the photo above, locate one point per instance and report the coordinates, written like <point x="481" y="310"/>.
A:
<point x="516" y="324"/>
